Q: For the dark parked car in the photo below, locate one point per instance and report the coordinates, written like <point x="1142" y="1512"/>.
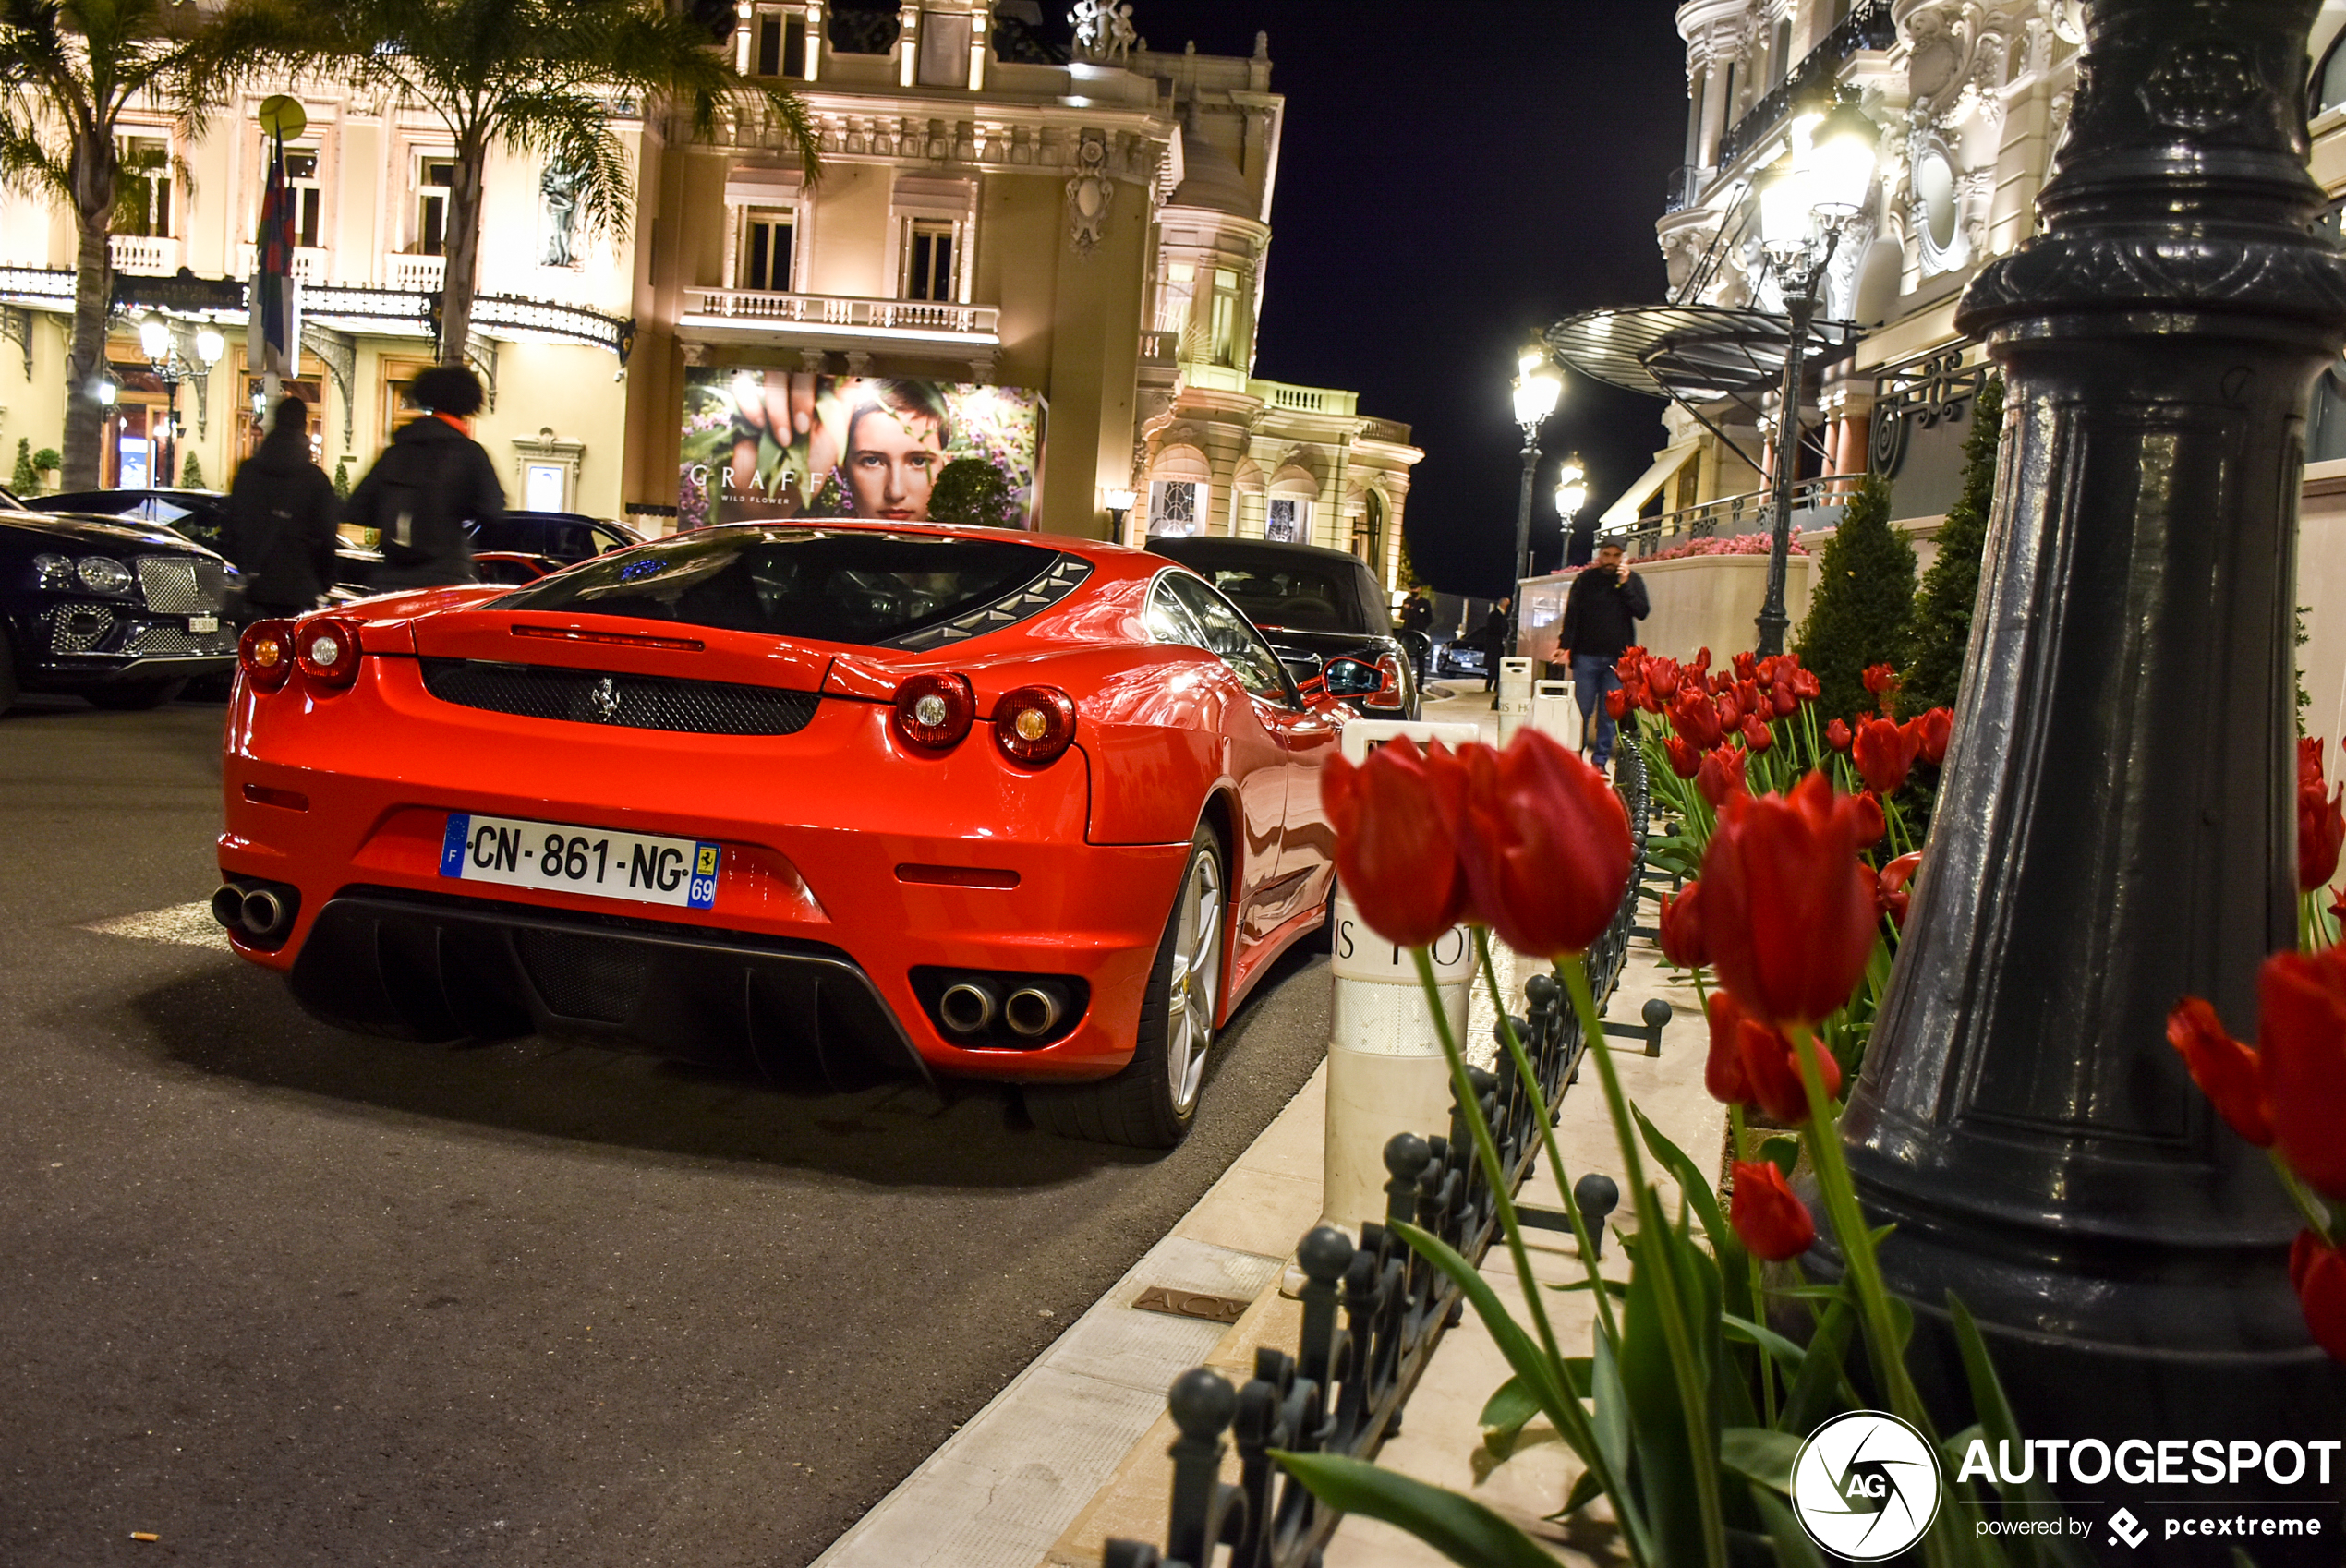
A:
<point x="1313" y="606"/>
<point x="567" y="537"/>
<point x="123" y="611"/>
<point x="202" y="516"/>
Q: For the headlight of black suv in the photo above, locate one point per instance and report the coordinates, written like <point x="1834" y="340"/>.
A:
<point x="95" y="574"/>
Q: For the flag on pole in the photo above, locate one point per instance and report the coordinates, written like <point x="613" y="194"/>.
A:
<point x="274" y="324"/>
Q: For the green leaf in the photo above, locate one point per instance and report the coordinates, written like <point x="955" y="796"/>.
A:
<point x="1782" y="1152"/>
<point x="1998" y="1424"/>
<point x="1812" y="1397"/>
<point x="1787" y="1355"/>
<point x="1758" y="1454"/>
<point x="1794" y="1549"/>
<point x="1611" y="1422"/>
<point x="1692" y="1183"/>
<point x="1585" y="1490"/>
<point x="1506" y="1411"/>
<point x="1458" y="1527"/>
<point x="1531" y="1363"/>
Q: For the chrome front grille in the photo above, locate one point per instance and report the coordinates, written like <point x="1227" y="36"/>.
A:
<point x="180" y="584"/>
<point x="153" y="642"/>
<point x="78" y="627"/>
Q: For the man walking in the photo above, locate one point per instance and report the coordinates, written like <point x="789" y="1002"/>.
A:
<point x="281" y="520"/>
<point x="428" y="483"/>
<point x="1600" y="620"/>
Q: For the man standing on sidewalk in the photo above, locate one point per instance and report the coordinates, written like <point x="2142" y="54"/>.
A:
<point x="1600" y="620"/>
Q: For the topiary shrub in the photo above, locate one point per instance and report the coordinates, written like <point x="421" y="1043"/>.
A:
<point x="342" y="476"/>
<point x="1864" y="598"/>
<point x="47" y="460"/>
<point x="191" y="473"/>
<point x="973" y="492"/>
<point x="25" y="480"/>
<point x="1944" y="603"/>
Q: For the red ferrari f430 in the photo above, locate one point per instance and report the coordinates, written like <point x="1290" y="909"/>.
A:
<point x="968" y="802"/>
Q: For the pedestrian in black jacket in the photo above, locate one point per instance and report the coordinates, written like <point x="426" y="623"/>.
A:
<point x="281" y="520"/>
<point x="1601" y="617"/>
<point x="428" y="483"/>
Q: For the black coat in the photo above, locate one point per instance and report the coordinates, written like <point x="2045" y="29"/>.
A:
<point x="428" y="483"/>
<point x="1600" y="615"/>
<point x="280" y="530"/>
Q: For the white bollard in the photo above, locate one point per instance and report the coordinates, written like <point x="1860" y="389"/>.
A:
<point x="1556" y="713"/>
<point x="1385" y="1071"/>
<point x="1515" y="697"/>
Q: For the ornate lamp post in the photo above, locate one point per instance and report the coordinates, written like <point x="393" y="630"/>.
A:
<point x="2114" y="826"/>
<point x="1117" y="502"/>
<point x="162" y="349"/>
<point x="1537" y="388"/>
<point x="1572" y="494"/>
<point x="1803" y="209"/>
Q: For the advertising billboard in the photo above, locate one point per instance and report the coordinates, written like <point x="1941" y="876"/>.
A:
<point x="762" y="443"/>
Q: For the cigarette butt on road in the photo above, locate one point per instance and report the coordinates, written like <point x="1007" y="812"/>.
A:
<point x="144" y="1536"/>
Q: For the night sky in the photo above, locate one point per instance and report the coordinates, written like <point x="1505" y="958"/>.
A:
<point x="1452" y="178"/>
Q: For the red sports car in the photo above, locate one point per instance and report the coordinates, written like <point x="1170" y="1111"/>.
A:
<point x="970" y="802"/>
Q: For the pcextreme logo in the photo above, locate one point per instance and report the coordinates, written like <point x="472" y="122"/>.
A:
<point x="1866" y="1486"/>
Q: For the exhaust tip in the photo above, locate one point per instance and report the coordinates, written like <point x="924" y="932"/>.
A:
<point x="265" y="914"/>
<point x="966" y="1008"/>
<point x="1031" y="1011"/>
<point x="228" y="906"/>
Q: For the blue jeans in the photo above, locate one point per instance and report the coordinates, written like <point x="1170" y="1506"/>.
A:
<point x="1592" y="677"/>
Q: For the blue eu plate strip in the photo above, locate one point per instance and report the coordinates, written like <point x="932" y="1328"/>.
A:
<point x="452" y="846"/>
<point x="703" y="893"/>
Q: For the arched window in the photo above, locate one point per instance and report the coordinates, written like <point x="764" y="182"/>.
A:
<point x="2330" y="78"/>
<point x="1368" y="533"/>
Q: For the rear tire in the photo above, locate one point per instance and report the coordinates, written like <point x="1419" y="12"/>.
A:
<point x="1153" y="1101"/>
<point x="134" y="696"/>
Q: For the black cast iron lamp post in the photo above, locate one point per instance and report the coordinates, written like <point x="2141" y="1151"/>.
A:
<point x="1537" y="388"/>
<point x="1572" y="493"/>
<point x="156" y="341"/>
<point x="1803" y="206"/>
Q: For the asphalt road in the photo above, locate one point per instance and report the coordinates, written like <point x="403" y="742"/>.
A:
<point x="283" y="1297"/>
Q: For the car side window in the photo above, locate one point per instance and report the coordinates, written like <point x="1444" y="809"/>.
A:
<point x="1167" y="621"/>
<point x="1228" y="633"/>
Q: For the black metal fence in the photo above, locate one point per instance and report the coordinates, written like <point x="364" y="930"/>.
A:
<point x="1373" y="1313"/>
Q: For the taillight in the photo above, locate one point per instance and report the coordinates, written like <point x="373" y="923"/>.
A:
<point x="266" y="652"/>
<point x="1033" y="724"/>
<point x="326" y="650"/>
<point x="1388" y="688"/>
<point x="933" y="712"/>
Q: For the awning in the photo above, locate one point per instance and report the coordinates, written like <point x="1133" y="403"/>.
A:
<point x="1698" y="353"/>
<point x="1633" y="499"/>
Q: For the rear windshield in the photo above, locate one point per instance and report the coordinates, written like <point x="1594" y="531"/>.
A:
<point x="1301" y="596"/>
<point x="832" y="587"/>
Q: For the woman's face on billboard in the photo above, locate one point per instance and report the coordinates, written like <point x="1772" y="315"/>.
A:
<point x="892" y="463"/>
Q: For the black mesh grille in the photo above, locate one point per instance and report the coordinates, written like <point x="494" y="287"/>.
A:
<point x="637" y="701"/>
<point x="591" y="978"/>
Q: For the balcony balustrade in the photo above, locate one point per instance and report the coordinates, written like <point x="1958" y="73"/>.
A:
<point x="734" y="314"/>
<point x="417" y="274"/>
<point x="1867" y="26"/>
<point x="141" y="255"/>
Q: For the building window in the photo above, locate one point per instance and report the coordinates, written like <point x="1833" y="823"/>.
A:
<point x="1226" y="317"/>
<point x="778" y="44"/>
<point x="2330" y="78"/>
<point x="433" y="176"/>
<point x="1287" y="521"/>
<point x="143" y="206"/>
<point x="1779" y="56"/>
<point x="301" y="184"/>
<point x="928" y="260"/>
<point x="1368" y="533"/>
<point x="1175" y="506"/>
<point x="767" y="251"/>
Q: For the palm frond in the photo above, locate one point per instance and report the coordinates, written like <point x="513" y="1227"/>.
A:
<point x="28" y="166"/>
<point x="566" y="126"/>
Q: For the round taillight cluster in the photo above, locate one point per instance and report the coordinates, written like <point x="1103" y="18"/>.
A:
<point x="326" y="651"/>
<point x="1033" y="724"/>
<point x="934" y="712"/>
<point x="266" y="653"/>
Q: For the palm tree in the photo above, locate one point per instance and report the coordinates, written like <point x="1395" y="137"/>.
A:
<point x="68" y="69"/>
<point x="530" y="75"/>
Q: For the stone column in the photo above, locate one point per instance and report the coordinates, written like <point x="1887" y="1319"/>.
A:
<point x="2115" y="824"/>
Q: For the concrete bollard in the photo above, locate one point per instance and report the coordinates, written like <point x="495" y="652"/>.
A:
<point x="1385" y="1071"/>
<point x="1515" y="697"/>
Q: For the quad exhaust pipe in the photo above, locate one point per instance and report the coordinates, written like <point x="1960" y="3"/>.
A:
<point x="258" y="914"/>
<point x="967" y="1006"/>
<point x="1031" y="1011"/>
<point x="991" y="1009"/>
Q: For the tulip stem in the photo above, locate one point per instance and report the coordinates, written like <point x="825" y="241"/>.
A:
<point x="1530" y="1082"/>
<point x="1694" y="1394"/>
<point x="2316" y="1212"/>
<point x="1758" y="1293"/>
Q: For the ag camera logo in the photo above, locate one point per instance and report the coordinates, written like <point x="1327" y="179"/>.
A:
<point x="1866" y="1486"/>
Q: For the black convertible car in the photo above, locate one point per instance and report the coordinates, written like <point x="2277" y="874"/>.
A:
<point x="124" y="613"/>
<point x="1312" y="605"/>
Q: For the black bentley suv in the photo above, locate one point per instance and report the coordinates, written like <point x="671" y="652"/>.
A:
<point x="124" y="613"/>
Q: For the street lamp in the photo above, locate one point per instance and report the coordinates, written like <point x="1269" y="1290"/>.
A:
<point x="1572" y="494"/>
<point x="1537" y="388"/>
<point x="1804" y="208"/>
<point x="162" y="349"/>
<point x="1117" y="502"/>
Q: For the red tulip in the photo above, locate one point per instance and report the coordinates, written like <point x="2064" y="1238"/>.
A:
<point x="1702" y="665"/>
<point x="1885" y="755"/>
<point x="1681" y="928"/>
<point x="1547" y="846"/>
<point x="2318" y="1275"/>
<point x="1932" y="728"/>
<point x="1871" y="824"/>
<point x="1805" y="686"/>
<point x="1773" y="1223"/>
<point x="1891" y="886"/>
<point x="1753" y="1063"/>
<point x="1788" y="908"/>
<point x="1747" y="666"/>
<point x="1662" y="678"/>
<point x="1616" y="703"/>
<point x="2321" y="831"/>
<point x="2227" y="1071"/>
<point x="1630" y="667"/>
<point x="2302" y="1054"/>
<point x="1693" y="716"/>
<point x="1837" y="736"/>
<point x="1747" y="698"/>
<point x="1782" y="700"/>
<point x="1881" y="680"/>
<point x="1685" y="760"/>
<point x="1757" y="737"/>
<point x="1399" y="821"/>
<point x="2309" y="762"/>
<point x="1722" y="775"/>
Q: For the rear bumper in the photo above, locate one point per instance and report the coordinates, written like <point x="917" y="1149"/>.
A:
<point x="435" y="967"/>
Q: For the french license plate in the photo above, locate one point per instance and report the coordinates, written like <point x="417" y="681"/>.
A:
<point x="637" y="866"/>
<point x="200" y="624"/>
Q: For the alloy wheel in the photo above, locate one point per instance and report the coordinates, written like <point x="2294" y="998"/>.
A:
<point x="1195" y="982"/>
